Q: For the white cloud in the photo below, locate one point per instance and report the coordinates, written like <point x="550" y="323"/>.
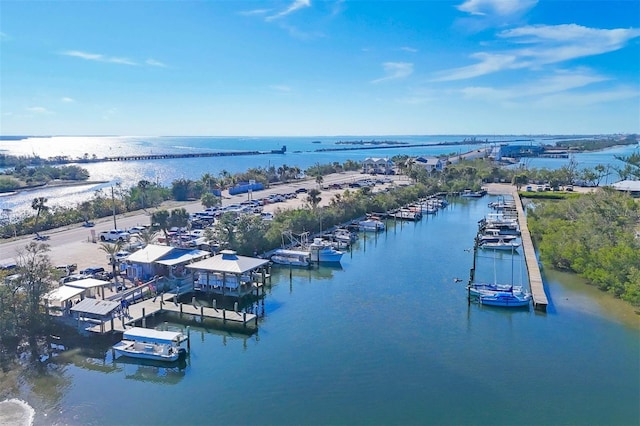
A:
<point x="409" y="49"/>
<point x="488" y="63"/>
<point x="296" y="5"/>
<point x="583" y="99"/>
<point x="545" y="44"/>
<point x="255" y="12"/>
<point x="280" y="88"/>
<point x="561" y="81"/>
<point x="496" y="7"/>
<point x="39" y="110"/>
<point x="98" y="57"/>
<point x="395" y="71"/>
<point x="67" y="100"/>
<point x="154" y="63"/>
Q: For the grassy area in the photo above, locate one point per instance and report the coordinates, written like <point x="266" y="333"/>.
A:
<point x="549" y="195"/>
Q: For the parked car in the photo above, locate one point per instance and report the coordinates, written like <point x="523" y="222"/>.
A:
<point x="91" y="271"/>
<point x="119" y="256"/>
<point x="70" y="278"/>
<point x="68" y="268"/>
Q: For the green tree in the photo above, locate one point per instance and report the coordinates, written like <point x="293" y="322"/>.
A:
<point x="111" y="249"/>
<point x="39" y="204"/>
<point x="34" y="269"/>
<point x="210" y="200"/>
<point x="160" y="219"/>
<point x="313" y="198"/>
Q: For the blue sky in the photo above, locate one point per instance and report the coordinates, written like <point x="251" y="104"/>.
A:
<point x="306" y="67"/>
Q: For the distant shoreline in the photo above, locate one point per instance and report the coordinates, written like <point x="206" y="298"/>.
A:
<point x="52" y="184"/>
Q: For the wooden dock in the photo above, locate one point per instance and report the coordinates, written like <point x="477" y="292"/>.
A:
<point x="540" y="301"/>
<point x="166" y="303"/>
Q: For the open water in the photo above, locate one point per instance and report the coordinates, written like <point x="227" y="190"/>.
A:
<point x="388" y="338"/>
<point x="302" y="152"/>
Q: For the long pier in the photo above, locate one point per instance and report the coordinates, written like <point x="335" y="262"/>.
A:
<point x="166" y="303"/>
<point x="536" y="285"/>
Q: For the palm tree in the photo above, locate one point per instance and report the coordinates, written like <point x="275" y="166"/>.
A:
<point x="313" y="198"/>
<point x="147" y="236"/>
<point x="208" y="180"/>
<point x="112" y="249"/>
<point x="39" y="205"/>
<point x="142" y="186"/>
<point x="160" y="219"/>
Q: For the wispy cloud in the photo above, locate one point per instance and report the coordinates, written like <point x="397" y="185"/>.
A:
<point x="545" y="44"/>
<point x="98" y="57"/>
<point x="293" y="7"/>
<point x="3" y="36"/>
<point x="154" y="63"/>
<point x="395" y="71"/>
<point x="280" y="88"/>
<point x="409" y="49"/>
<point x="488" y="63"/>
<point x="67" y="100"/>
<point x="496" y="7"/>
<point x="39" y="110"/>
<point x="558" y="82"/>
<point x="254" y="12"/>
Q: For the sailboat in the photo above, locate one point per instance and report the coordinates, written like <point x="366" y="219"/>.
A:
<point x="503" y="295"/>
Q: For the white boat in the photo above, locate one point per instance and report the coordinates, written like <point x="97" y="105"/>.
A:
<point x="478" y="289"/>
<point x="508" y="299"/>
<point x="322" y="252"/>
<point x="473" y="194"/>
<point x="342" y="234"/>
<point x="407" y="214"/>
<point x="371" y="224"/>
<point x="499" y="244"/>
<point x="291" y="257"/>
<point x="147" y="343"/>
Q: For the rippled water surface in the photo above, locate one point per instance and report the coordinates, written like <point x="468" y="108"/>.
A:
<point x="387" y="338"/>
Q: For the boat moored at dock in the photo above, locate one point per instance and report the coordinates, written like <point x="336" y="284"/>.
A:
<point x="291" y="257"/>
<point x="147" y="343"/>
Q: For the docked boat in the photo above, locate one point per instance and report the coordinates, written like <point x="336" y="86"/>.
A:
<point x="291" y="257"/>
<point x="467" y="193"/>
<point x="508" y="299"/>
<point x="343" y="234"/>
<point x="407" y="214"/>
<point x="371" y="224"/>
<point x="147" y="343"/>
<point x="322" y="252"/>
<point x="479" y="289"/>
<point x="499" y="244"/>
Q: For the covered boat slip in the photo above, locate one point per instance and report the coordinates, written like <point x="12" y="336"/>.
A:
<point x="228" y="274"/>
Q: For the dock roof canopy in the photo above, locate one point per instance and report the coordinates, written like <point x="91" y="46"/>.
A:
<point x="88" y="283"/>
<point x="95" y="306"/>
<point x="229" y="262"/>
<point x="150" y="335"/>
<point x="63" y="293"/>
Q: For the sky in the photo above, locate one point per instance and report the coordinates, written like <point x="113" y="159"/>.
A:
<point x="319" y="68"/>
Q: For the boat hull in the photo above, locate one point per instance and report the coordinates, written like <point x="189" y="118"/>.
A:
<point x="128" y="350"/>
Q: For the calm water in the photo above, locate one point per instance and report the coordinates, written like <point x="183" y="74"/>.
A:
<point x="388" y="338"/>
<point x="301" y="152"/>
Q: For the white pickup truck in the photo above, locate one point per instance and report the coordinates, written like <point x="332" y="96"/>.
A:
<point x="115" y="235"/>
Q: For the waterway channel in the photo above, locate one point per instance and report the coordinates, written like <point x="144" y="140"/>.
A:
<point x="387" y="338"/>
